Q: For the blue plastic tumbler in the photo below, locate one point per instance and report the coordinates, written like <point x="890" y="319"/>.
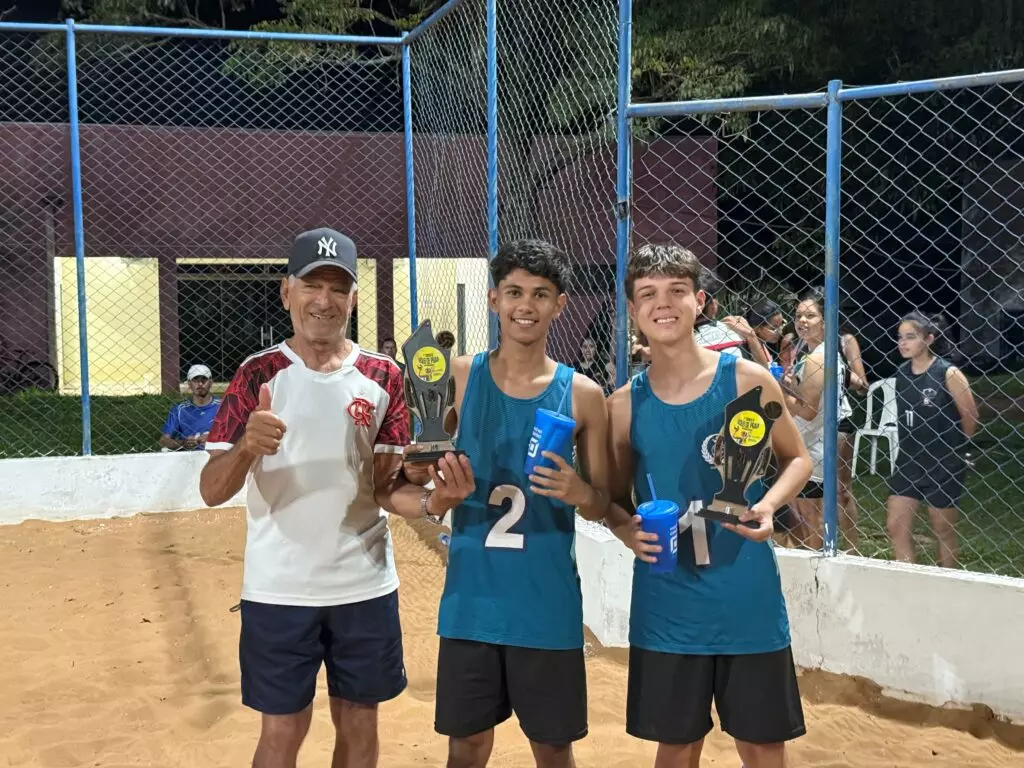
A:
<point x="661" y="517"/>
<point x="551" y="432"/>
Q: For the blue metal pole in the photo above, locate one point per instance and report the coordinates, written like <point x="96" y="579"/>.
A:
<point x="622" y="191"/>
<point x="76" y="203"/>
<point x="833" y="188"/>
<point x="492" y="153"/>
<point x="742" y="104"/>
<point x="208" y="34"/>
<point x="431" y="20"/>
<point x="410" y="185"/>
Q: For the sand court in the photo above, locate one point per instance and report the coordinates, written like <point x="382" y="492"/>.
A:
<point x="120" y="649"/>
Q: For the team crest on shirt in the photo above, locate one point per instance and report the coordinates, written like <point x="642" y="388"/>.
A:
<point x="928" y="395"/>
<point x="361" y="411"/>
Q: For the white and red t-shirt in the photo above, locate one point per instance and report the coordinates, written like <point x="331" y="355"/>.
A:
<point x="315" y="536"/>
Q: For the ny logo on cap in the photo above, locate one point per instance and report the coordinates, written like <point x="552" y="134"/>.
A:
<point x="327" y="247"/>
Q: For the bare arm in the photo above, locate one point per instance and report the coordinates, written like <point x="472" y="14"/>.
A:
<point x="398" y="495"/>
<point x="620" y="465"/>
<point x="960" y="389"/>
<point x="224" y="474"/>
<point x="851" y="351"/>
<point x="803" y="399"/>
<point x="166" y="441"/>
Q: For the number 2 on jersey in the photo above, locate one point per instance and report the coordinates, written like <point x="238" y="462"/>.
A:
<point x="499" y="536"/>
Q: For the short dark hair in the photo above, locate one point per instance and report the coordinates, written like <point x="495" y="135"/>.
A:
<point x="386" y="339"/>
<point x="539" y="258"/>
<point x="760" y="313"/>
<point x="663" y="261"/>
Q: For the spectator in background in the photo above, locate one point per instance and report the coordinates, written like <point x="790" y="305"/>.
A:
<point x="731" y="335"/>
<point x="804" y="386"/>
<point x="767" y="321"/>
<point x="937" y="417"/>
<point x="589" y="364"/>
<point x="189" y="422"/>
<point x="389" y="347"/>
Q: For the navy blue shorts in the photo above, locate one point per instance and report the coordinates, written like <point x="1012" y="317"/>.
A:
<point x="282" y="647"/>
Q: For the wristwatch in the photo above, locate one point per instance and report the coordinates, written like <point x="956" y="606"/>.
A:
<point x="426" y="513"/>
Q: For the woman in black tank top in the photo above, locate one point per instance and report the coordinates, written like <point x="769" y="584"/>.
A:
<point x="937" y="415"/>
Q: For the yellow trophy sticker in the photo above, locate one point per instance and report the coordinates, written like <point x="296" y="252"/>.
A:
<point x="747" y="428"/>
<point x="428" y="364"/>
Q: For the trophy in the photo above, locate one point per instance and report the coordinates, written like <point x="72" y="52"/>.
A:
<point x="429" y="393"/>
<point x="741" y="455"/>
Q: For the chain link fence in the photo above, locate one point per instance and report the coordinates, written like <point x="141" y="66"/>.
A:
<point x="552" y="124"/>
<point x="930" y="221"/>
<point x="201" y="159"/>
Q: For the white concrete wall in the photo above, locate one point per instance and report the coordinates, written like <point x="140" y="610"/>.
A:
<point x="922" y="633"/>
<point x="100" y="486"/>
<point x="925" y="634"/>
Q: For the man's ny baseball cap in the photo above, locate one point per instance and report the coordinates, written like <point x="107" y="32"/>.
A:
<point x="198" y="370"/>
<point x="323" y="247"/>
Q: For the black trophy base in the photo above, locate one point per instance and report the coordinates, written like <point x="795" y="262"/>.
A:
<point x="721" y="512"/>
<point x="430" y="453"/>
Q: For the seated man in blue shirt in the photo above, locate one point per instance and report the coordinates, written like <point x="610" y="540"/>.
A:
<point x="189" y="422"/>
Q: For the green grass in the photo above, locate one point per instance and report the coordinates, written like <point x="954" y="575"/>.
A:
<point x="43" y="424"/>
<point x="991" y="521"/>
<point x="1006" y="384"/>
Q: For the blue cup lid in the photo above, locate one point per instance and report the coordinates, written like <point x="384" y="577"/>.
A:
<point x="658" y="508"/>
<point x="557" y="417"/>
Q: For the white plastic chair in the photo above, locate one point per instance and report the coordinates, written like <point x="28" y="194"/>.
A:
<point x="886" y="427"/>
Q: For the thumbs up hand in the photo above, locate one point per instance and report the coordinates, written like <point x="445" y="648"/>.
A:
<point x="264" y="430"/>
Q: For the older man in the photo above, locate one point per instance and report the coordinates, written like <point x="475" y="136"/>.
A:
<point x="318" y="426"/>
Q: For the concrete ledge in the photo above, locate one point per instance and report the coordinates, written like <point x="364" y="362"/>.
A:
<point x="923" y="634"/>
<point x="82" y="487"/>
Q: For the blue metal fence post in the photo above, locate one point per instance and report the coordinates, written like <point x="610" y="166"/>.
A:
<point x="492" y="153"/>
<point x="410" y="185"/>
<point x="833" y="187"/>
<point x="622" y="190"/>
<point x="76" y="202"/>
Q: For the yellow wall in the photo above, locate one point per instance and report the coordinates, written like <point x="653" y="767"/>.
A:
<point x="367" y="306"/>
<point x="436" y="281"/>
<point x="123" y="315"/>
<point x="122" y="299"/>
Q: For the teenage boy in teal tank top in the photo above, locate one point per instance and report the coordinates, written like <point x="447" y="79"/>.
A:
<point x="511" y="615"/>
<point x="715" y="627"/>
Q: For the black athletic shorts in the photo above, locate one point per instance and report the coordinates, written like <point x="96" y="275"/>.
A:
<point x="669" y="696"/>
<point x="846" y="426"/>
<point x="480" y="685"/>
<point x="940" y="489"/>
<point x="282" y="647"/>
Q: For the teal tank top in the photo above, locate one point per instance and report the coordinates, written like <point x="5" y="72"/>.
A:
<point x="512" y="577"/>
<point x="725" y="594"/>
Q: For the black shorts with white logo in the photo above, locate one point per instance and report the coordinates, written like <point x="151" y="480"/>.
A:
<point x="480" y="685"/>
<point x="756" y="695"/>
